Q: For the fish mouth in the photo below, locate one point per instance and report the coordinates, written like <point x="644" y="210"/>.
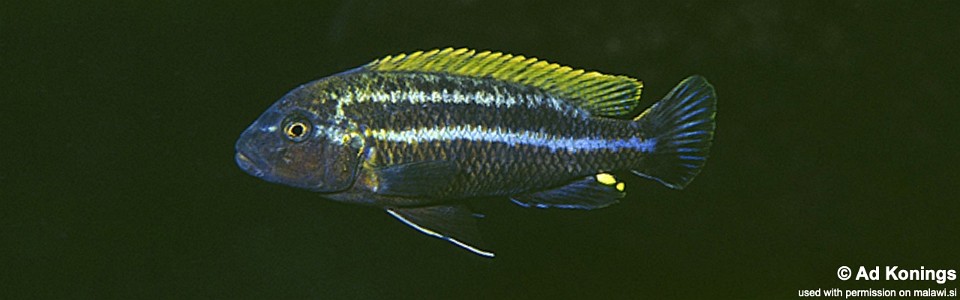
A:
<point x="248" y="165"/>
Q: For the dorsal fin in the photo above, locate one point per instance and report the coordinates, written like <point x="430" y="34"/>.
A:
<point x="600" y="94"/>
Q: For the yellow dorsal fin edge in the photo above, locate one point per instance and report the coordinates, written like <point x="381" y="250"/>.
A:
<point x="601" y="94"/>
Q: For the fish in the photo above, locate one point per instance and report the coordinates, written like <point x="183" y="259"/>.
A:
<point x="420" y="135"/>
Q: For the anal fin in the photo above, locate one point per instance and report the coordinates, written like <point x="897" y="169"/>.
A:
<point x="590" y="192"/>
<point x="453" y="223"/>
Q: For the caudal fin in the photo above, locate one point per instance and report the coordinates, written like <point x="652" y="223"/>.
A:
<point x="681" y="126"/>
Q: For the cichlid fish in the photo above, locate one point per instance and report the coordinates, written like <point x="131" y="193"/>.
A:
<point x="418" y="134"/>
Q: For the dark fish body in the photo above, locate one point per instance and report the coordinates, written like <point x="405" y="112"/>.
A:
<point x="419" y="134"/>
<point x="531" y="142"/>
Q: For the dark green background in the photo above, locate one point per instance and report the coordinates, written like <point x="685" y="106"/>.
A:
<point x="836" y="145"/>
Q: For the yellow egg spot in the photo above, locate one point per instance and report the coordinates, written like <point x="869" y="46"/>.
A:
<point x="620" y="186"/>
<point x="606" y="179"/>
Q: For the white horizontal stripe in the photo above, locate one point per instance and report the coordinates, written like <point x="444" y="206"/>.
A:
<point x="333" y="134"/>
<point x="512" y="138"/>
<point x="496" y="97"/>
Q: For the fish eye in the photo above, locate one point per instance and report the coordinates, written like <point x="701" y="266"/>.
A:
<point x="296" y="128"/>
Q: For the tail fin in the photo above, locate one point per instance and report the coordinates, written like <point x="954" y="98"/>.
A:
<point x="681" y="126"/>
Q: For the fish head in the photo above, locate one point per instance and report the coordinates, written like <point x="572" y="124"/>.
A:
<point x="301" y="141"/>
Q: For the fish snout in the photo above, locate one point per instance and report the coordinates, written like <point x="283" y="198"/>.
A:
<point x="248" y="165"/>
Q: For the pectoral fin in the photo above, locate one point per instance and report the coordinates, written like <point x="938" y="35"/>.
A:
<point x="416" y="179"/>
<point x="588" y="193"/>
<point x="452" y="223"/>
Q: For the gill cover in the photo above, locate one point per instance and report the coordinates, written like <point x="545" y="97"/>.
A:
<point x="341" y="161"/>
